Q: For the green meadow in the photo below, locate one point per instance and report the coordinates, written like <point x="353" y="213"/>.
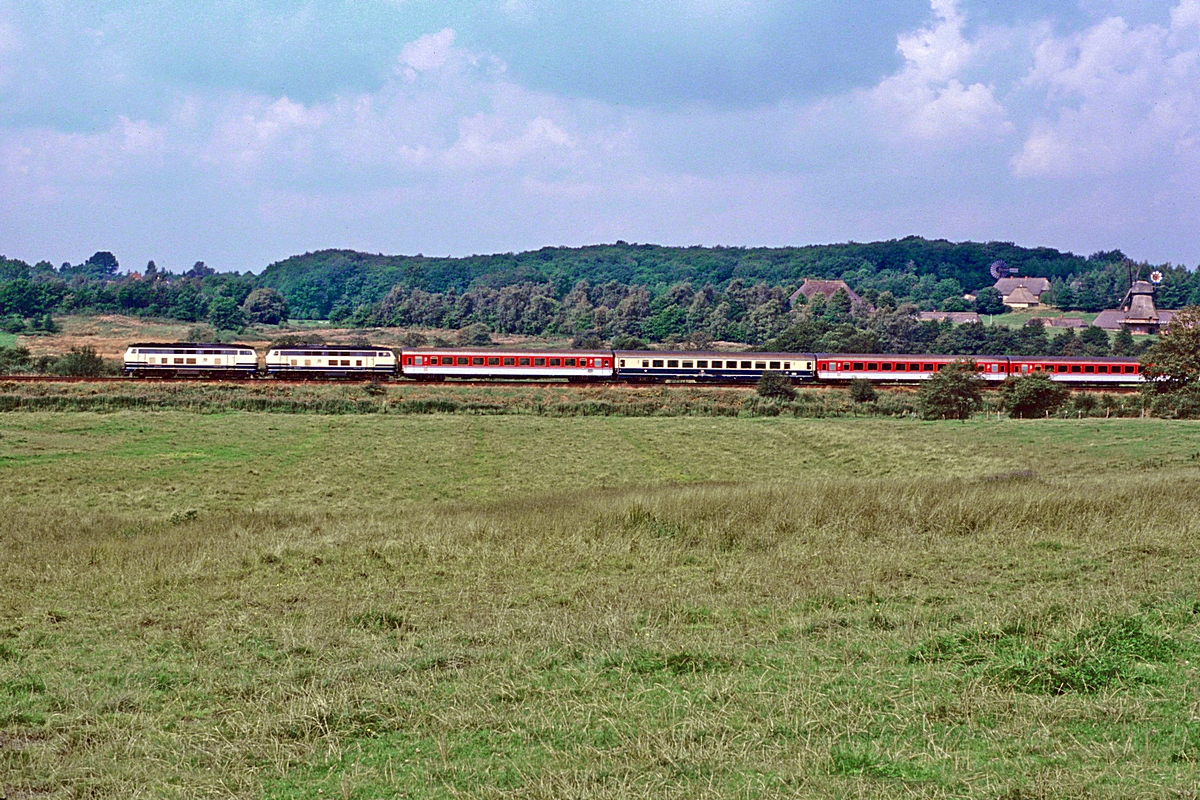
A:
<point x="368" y="606"/>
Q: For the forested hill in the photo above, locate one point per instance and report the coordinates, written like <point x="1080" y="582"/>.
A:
<point x="314" y="283"/>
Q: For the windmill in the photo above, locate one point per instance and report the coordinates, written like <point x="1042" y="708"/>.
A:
<point x="1001" y="270"/>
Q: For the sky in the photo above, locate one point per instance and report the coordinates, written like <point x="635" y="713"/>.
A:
<point x="240" y="132"/>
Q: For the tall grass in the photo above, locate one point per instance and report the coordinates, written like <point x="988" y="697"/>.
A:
<point x="992" y="635"/>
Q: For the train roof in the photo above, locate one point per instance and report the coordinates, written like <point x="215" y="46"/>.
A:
<point x="196" y="345"/>
<point x="707" y="354"/>
<point x="330" y="347"/>
<point x="980" y="357"/>
<point x="502" y="351"/>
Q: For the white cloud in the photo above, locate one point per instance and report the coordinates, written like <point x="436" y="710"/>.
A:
<point x="928" y="99"/>
<point x="1120" y="97"/>
<point x="429" y="52"/>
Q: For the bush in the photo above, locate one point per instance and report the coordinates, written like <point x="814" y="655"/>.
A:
<point x="475" y="335"/>
<point x="776" y="386"/>
<point x="1034" y="395"/>
<point x="413" y="339"/>
<point x="14" y="359"/>
<point x="862" y="391"/>
<point x="588" y="340"/>
<point x="79" y="362"/>
<point x="12" y="324"/>
<point x="953" y="392"/>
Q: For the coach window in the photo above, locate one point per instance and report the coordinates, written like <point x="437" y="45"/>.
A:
<point x="477" y="361"/>
<point x="645" y="364"/>
<point x="463" y="361"/>
<point x="524" y="362"/>
<point x="745" y="365"/>
<point x="621" y="362"/>
<point x="687" y="365"/>
<point x="858" y="365"/>
<point x="872" y="367"/>
<point x="493" y="361"/>
<point x="508" y="362"/>
<point x="701" y="365"/>
<point x="787" y="365"/>
<point x="1102" y="369"/>
<point x="673" y="364"/>
<point x="358" y="362"/>
<point x="657" y="363"/>
<point x="539" y="362"/>
<point x="1131" y="368"/>
<point x="760" y="365"/>
<point x="1076" y="368"/>
<point x="774" y="365"/>
<point x="1061" y="368"/>
<point x="568" y="362"/>
<point x="887" y="367"/>
<point x="1089" y="368"/>
<point x="927" y="367"/>
<point x="557" y="362"/>
<point x="715" y="364"/>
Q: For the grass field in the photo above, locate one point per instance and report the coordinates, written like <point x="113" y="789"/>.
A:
<point x="7" y="339"/>
<point x="196" y="605"/>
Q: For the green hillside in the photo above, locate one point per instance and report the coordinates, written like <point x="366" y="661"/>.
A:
<point x="315" y="282"/>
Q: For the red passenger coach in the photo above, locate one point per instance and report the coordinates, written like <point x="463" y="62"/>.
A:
<point x="574" y="365"/>
<point x="1082" y="370"/>
<point x="900" y="368"/>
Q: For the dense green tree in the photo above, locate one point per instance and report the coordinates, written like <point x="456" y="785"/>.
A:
<point x="1173" y="362"/>
<point x="224" y="314"/>
<point x="953" y="392"/>
<point x="988" y="300"/>
<point x="1094" y="342"/>
<point x="1032" y="395"/>
<point x="265" y="306"/>
<point x="1123" y="344"/>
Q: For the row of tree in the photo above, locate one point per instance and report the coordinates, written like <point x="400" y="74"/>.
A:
<point x="666" y="291"/>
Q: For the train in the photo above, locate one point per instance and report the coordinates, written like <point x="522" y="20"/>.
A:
<point x="340" y="362"/>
